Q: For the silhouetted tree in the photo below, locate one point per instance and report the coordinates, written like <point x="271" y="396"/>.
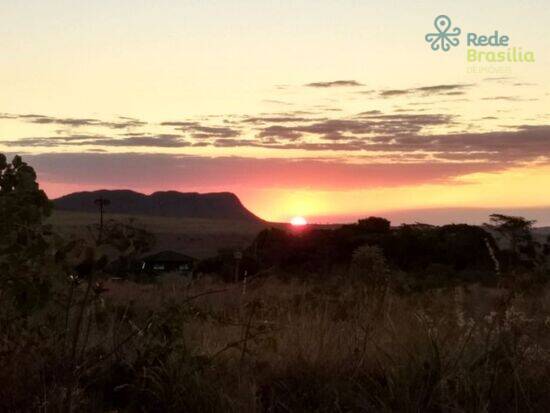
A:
<point x="414" y="247"/>
<point x="375" y="225"/>
<point x="24" y="241"/>
<point x="518" y="232"/>
<point x="22" y="202"/>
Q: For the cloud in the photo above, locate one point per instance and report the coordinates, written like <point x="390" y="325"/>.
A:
<point x="526" y="143"/>
<point x="199" y="131"/>
<point x="179" y="123"/>
<point x="277" y="102"/>
<point x="378" y="161"/>
<point x="366" y="123"/>
<point x="273" y="128"/>
<point x="158" y="141"/>
<point x="442" y="88"/>
<point x="276" y="119"/>
<point x="394" y="92"/>
<point x="370" y="112"/>
<point x="401" y="135"/>
<point x="335" y="83"/>
<point x="151" y="172"/>
<point x="280" y="132"/>
<point x="366" y="92"/>
<point x="122" y="123"/>
<point x="508" y="98"/>
<point x="499" y="79"/>
<point x="445" y="89"/>
<point x="510" y="81"/>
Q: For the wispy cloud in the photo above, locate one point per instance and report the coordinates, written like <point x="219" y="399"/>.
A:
<point x="121" y="123"/>
<point x="396" y="136"/>
<point x="159" y="141"/>
<point x="510" y="98"/>
<point x="446" y="89"/>
<point x="199" y="131"/>
<point x="335" y="83"/>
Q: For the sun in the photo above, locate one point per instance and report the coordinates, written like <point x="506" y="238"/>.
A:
<point x="298" y="222"/>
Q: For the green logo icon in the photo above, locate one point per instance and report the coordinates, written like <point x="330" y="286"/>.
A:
<point x="445" y="36"/>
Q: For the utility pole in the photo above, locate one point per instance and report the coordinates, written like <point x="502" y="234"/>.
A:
<point x="102" y="203"/>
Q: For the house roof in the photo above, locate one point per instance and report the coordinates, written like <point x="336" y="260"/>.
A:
<point x="168" y="256"/>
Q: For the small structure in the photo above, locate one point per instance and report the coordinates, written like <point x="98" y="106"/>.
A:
<point x="168" y="261"/>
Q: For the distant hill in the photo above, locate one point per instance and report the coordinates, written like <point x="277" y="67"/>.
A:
<point x="222" y="205"/>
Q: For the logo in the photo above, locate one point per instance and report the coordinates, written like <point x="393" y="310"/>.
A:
<point x="486" y="51"/>
<point x="482" y="47"/>
<point x="445" y="37"/>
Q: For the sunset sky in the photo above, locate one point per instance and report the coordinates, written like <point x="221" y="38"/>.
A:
<point x="330" y="110"/>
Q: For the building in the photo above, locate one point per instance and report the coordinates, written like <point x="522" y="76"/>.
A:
<point x="168" y="261"/>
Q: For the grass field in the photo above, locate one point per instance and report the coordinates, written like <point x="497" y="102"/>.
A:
<point x="293" y="346"/>
<point x="196" y="237"/>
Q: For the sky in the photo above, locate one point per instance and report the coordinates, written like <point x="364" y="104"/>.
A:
<point x="332" y="110"/>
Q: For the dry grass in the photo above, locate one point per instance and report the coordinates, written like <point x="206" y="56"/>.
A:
<point x="287" y="346"/>
<point x="197" y="237"/>
<point x="352" y="348"/>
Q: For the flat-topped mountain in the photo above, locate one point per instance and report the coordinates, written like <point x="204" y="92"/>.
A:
<point x="221" y="205"/>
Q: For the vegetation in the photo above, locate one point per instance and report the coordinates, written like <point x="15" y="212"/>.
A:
<point x="361" y="318"/>
<point x="198" y="237"/>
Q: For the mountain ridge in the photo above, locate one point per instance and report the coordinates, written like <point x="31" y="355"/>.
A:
<point x="213" y="205"/>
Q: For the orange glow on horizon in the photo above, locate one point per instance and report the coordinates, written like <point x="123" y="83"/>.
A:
<point x="515" y="188"/>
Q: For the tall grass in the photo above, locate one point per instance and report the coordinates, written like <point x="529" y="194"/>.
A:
<point x="289" y="346"/>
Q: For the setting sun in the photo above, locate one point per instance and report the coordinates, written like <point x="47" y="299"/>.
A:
<point x="298" y="221"/>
